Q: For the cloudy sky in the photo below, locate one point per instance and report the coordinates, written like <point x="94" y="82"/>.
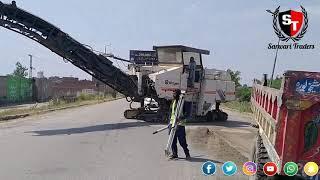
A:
<point x="236" y="32"/>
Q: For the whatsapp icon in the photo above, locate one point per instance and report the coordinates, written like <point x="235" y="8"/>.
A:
<point x="290" y="168"/>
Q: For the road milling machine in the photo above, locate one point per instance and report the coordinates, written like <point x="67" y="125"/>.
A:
<point x="167" y="69"/>
<point x="152" y="77"/>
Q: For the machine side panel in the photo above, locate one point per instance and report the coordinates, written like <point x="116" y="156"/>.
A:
<point x="167" y="81"/>
<point x="213" y="90"/>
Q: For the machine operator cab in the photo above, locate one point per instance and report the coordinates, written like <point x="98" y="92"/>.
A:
<point x="184" y="68"/>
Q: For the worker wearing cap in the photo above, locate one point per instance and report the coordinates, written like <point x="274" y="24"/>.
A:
<point x="180" y="134"/>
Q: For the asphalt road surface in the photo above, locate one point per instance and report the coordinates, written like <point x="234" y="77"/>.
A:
<point x="97" y="142"/>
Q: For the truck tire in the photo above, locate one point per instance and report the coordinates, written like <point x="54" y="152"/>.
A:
<point x="260" y="156"/>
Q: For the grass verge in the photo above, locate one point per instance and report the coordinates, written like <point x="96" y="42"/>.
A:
<point x="243" y="107"/>
<point x="53" y="105"/>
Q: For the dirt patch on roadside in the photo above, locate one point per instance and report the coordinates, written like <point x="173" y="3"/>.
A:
<point x="216" y="147"/>
<point x="233" y="112"/>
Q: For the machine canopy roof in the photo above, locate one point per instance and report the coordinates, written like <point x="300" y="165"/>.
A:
<point x="183" y="49"/>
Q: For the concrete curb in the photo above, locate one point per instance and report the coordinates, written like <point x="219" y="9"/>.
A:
<point x="18" y="116"/>
<point x="6" y="118"/>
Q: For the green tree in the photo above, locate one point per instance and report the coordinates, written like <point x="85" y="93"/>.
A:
<point x="20" y="71"/>
<point x="276" y="83"/>
<point x="235" y="77"/>
<point x="243" y="93"/>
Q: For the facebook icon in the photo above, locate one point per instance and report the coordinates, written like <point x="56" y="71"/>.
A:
<point x="208" y="168"/>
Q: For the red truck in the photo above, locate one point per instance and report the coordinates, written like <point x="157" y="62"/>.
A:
<point x="288" y="121"/>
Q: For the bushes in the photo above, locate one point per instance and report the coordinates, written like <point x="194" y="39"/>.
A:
<point x="56" y="102"/>
<point x="71" y="99"/>
<point x="243" y="94"/>
<point x="239" y="106"/>
<point x="242" y="104"/>
<point x="276" y="83"/>
<point x="86" y="97"/>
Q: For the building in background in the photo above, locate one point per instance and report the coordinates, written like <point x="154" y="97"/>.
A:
<point x="40" y="74"/>
<point x="62" y="87"/>
<point x="21" y="90"/>
<point x="103" y="88"/>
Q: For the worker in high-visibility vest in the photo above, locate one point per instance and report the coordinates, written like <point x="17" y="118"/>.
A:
<point x="181" y="131"/>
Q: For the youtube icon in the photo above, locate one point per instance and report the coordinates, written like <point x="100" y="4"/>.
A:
<point x="270" y="169"/>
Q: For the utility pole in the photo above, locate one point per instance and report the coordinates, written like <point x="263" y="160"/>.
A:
<point x="276" y="57"/>
<point x="105" y="48"/>
<point x="274" y="63"/>
<point x="30" y="69"/>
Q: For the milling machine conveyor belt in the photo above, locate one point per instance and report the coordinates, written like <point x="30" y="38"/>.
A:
<point x="39" y="30"/>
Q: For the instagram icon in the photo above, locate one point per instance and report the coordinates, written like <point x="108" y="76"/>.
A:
<point x="249" y="168"/>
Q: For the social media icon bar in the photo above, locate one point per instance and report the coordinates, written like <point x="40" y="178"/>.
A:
<point x="270" y="169"/>
<point x="290" y="168"/>
<point x="209" y="168"/>
<point x="229" y="168"/>
<point x="311" y="168"/>
<point x="249" y="168"/>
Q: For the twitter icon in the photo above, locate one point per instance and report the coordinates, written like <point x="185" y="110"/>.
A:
<point x="229" y="168"/>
